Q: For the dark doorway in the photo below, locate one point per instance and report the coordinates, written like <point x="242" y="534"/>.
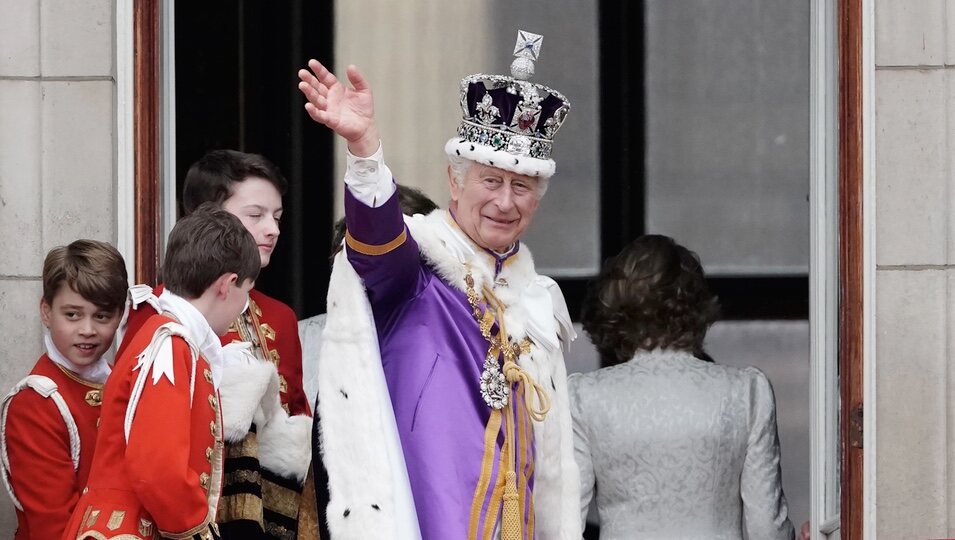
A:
<point x="236" y="65"/>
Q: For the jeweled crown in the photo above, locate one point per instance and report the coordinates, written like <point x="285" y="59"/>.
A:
<point x="512" y="114"/>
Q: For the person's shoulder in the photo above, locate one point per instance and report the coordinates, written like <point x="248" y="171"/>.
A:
<point x="30" y="401"/>
<point x="758" y="382"/>
<point x="592" y="381"/>
<point x="272" y="308"/>
<point x="134" y="343"/>
<point x="44" y="366"/>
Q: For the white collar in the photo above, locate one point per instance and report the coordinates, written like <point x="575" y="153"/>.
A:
<point x="198" y="330"/>
<point x="95" y="372"/>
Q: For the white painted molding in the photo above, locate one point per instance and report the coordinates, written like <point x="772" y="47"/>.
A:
<point x="167" y="145"/>
<point x="823" y="272"/>
<point x="869" y="360"/>
<point x="125" y="136"/>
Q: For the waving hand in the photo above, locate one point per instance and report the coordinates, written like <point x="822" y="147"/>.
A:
<point x="348" y="111"/>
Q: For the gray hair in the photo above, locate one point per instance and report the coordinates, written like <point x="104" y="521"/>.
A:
<point x="461" y="165"/>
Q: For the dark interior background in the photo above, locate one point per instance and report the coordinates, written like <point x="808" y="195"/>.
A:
<point x="236" y="64"/>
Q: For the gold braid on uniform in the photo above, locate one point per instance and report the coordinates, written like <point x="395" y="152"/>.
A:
<point x="503" y="348"/>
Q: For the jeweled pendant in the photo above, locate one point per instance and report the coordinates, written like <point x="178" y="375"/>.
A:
<point x="493" y="385"/>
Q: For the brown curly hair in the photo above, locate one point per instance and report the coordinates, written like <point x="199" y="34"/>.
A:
<point x="653" y="294"/>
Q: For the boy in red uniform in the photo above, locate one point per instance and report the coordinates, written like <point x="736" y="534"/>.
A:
<point x="49" y="419"/>
<point x="267" y="467"/>
<point x="158" y="465"/>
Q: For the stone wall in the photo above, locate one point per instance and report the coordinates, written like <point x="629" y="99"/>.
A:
<point x="57" y="158"/>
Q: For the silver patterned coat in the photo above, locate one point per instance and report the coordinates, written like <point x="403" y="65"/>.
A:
<point x="678" y="448"/>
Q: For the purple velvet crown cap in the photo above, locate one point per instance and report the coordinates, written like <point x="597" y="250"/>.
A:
<point x="509" y="122"/>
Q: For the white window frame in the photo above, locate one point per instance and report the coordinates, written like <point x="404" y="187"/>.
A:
<point x="824" y="271"/>
<point x="125" y="137"/>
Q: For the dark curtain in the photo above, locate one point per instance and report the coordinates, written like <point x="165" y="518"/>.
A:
<point x="236" y="64"/>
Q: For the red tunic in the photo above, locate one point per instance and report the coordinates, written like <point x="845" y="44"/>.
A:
<point x="276" y="327"/>
<point x="167" y="479"/>
<point x="38" y="447"/>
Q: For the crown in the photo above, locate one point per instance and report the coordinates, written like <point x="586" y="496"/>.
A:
<point x="510" y="122"/>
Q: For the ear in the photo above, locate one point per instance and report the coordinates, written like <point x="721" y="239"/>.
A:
<point x="225" y="283"/>
<point x="453" y="185"/>
<point x="46" y="312"/>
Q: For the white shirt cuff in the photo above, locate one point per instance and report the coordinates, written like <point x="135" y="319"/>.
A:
<point x="369" y="179"/>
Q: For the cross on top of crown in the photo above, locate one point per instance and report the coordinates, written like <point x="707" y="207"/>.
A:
<point x="528" y="45"/>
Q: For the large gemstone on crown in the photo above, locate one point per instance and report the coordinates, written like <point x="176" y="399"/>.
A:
<point x="519" y="144"/>
<point x="525" y="120"/>
<point x="497" y="141"/>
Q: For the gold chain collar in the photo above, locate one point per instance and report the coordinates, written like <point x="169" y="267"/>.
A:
<point x="495" y="384"/>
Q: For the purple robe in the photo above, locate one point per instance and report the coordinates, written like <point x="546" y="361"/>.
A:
<point x="432" y="354"/>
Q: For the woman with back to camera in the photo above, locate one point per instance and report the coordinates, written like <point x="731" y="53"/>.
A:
<point x="674" y="445"/>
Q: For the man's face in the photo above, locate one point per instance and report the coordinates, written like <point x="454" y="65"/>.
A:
<point x="494" y="206"/>
<point x="257" y="203"/>
<point x="81" y="330"/>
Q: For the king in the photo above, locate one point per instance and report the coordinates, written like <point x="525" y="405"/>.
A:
<point x="443" y="402"/>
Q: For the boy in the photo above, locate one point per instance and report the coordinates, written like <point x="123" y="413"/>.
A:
<point x="269" y="467"/>
<point x="158" y="468"/>
<point x="49" y="418"/>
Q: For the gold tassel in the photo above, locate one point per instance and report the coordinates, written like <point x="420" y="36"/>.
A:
<point x="512" y="518"/>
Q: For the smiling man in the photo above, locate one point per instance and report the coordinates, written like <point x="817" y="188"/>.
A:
<point x="443" y="391"/>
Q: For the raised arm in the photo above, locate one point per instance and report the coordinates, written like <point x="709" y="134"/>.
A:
<point x="379" y="246"/>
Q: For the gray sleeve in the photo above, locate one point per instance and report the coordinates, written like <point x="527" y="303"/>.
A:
<point x="581" y="448"/>
<point x="765" y="512"/>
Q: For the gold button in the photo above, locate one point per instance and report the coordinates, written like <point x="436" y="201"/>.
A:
<point x="208" y="375"/>
<point x="213" y="430"/>
<point x="209" y="454"/>
<point x="204" y="480"/>
<point x="94" y="398"/>
<point x="213" y="402"/>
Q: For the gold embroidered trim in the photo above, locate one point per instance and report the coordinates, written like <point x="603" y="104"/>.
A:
<point x="251" y="329"/>
<point x="76" y="378"/>
<point x="280" y="499"/>
<point x="242" y="476"/>
<point x="373" y="250"/>
<point x="274" y="530"/>
<point x="241" y="506"/>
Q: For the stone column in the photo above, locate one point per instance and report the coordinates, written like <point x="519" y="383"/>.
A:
<point x="914" y="49"/>
<point x="57" y="154"/>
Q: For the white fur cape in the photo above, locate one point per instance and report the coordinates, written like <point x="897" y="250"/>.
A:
<point x="369" y="492"/>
